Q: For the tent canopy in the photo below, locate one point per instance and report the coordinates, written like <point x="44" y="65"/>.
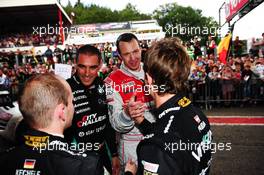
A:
<point x="21" y="16"/>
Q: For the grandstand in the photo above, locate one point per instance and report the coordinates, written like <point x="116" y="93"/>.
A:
<point x="26" y="17"/>
<point x="20" y="27"/>
<point x="108" y="32"/>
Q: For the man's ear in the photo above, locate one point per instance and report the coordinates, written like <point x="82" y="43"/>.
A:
<point x="60" y="111"/>
<point x="119" y="56"/>
<point x="149" y="79"/>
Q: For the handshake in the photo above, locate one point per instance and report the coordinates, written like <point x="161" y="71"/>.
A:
<point x="135" y="109"/>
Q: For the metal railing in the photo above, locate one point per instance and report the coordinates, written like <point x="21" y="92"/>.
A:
<point x="216" y="93"/>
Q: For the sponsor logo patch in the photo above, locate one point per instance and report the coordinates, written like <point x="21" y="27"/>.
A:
<point x="36" y="141"/>
<point x="90" y="119"/>
<point x="150" y="167"/>
<point x="197" y="119"/>
<point x="184" y="102"/>
<point x="101" y="89"/>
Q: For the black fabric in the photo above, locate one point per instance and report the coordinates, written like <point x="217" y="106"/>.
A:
<point x="178" y="123"/>
<point x="51" y="160"/>
<point x="90" y="123"/>
<point x="128" y="173"/>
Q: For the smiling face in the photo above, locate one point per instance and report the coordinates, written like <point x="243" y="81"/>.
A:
<point x="87" y="68"/>
<point x="130" y="53"/>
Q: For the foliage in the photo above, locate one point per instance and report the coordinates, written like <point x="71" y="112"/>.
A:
<point x="184" y="22"/>
<point x="96" y="14"/>
<point x="170" y="16"/>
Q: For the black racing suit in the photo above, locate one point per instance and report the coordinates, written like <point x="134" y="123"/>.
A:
<point x="179" y="143"/>
<point x="45" y="154"/>
<point x="90" y="124"/>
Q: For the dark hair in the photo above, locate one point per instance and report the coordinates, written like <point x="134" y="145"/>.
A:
<point x="89" y="50"/>
<point x="168" y="63"/>
<point x="125" y="37"/>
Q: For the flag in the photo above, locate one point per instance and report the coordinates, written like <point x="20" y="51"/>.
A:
<point x="29" y="163"/>
<point x="61" y="28"/>
<point x="223" y="46"/>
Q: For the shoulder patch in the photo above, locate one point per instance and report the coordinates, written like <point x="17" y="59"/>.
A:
<point x="184" y="102"/>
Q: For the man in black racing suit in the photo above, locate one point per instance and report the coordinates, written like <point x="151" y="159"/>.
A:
<point x="180" y="140"/>
<point x="90" y="125"/>
<point x="179" y="143"/>
<point x="42" y="153"/>
<point x="47" y="108"/>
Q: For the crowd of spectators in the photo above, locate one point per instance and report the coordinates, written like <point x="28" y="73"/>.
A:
<point x="20" y="40"/>
<point x="241" y="79"/>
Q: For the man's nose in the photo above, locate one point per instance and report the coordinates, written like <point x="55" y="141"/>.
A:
<point x="87" y="71"/>
<point x="133" y="56"/>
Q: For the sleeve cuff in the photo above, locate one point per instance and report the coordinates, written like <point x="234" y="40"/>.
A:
<point x="145" y="127"/>
<point x="125" y="117"/>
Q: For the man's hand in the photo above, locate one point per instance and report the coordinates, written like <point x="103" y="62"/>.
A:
<point x="135" y="109"/>
<point x="115" y="165"/>
<point x="131" y="167"/>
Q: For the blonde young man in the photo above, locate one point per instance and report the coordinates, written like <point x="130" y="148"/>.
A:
<point x="47" y="108"/>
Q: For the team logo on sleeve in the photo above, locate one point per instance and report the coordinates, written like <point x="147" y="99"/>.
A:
<point x="184" y="102"/>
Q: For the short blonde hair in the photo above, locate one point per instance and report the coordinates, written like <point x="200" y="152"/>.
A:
<point x="40" y="96"/>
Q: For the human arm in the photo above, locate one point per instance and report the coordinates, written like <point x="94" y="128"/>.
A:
<point x="112" y="145"/>
<point x="131" y="168"/>
<point x="119" y="120"/>
<point x="152" y="159"/>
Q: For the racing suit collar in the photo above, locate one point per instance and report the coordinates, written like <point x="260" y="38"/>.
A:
<point x="138" y="75"/>
<point x="34" y="132"/>
<point x="40" y="136"/>
<point x="171" y="103"/>
<point x="78" y="81"/>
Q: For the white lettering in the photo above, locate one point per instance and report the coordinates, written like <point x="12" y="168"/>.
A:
<point x="27" y="172"/>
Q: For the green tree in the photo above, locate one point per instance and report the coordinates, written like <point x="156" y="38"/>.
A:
<point x="130" y="13"/>
<point x="96" y="14"/>
<point x="184" y="22"/>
